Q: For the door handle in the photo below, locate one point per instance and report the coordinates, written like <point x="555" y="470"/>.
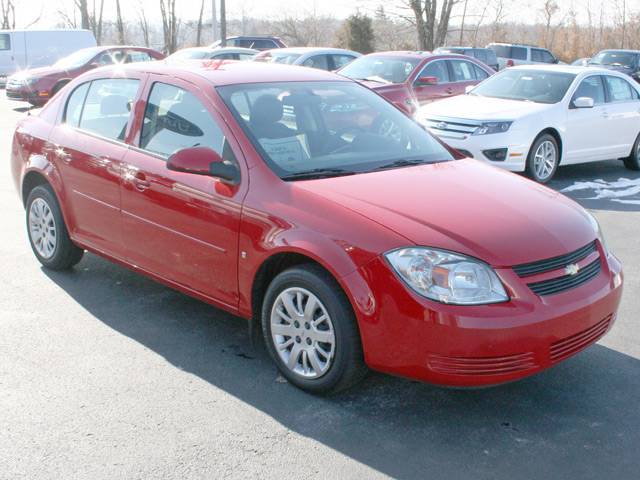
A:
<point x="449" y="90"/>
<point x="140" y="181"/>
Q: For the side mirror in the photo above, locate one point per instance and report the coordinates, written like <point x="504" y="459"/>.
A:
<point x="427" y="80"/>
<point x="203" y="161"/>
<point x="468" y="88"/>
<point x="583" y="102"/>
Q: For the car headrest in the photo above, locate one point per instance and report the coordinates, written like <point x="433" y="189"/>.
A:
<point x="266" y="109"/>
<point x="114" y="105"/>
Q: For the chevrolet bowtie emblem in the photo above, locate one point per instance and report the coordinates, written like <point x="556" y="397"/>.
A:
<point x="572" y="269"/>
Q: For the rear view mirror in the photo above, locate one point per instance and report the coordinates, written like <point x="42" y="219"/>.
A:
<point x="427" y="80"/>
<point x="583" y="102"/>
<point x="203" y="161"/>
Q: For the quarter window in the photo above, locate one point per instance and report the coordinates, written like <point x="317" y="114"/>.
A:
<point x="175" y="119"/>
<point x="438" y="70"/>
<point x="73" y="110"/>
<point x="107" y="107"/>
<point x="591" y="87"/>
<point x="619" y="89"/>
<point x="462" y="71"/>
<point x="5" y="41"/>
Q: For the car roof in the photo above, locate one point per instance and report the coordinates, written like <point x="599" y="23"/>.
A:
<point x="304" y="50"/>
<point x="229" y="72"/>
<point x="574" y="69"/>
<point x="621" y="50"/>
<point x="218" y="50"/>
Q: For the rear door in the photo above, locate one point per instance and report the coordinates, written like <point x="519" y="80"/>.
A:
<point x="179" y="226"/>
<point x="89" y="145"/>
<point x="623" y="107"/>
<point x="464" y="73"/>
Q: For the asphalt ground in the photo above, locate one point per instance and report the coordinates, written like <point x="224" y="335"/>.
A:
<point x="105" y="374"/>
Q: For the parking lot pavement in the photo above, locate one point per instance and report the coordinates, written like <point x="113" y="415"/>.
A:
<point x="106" y="374"/>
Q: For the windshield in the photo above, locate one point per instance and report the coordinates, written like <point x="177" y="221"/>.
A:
<point x="319" y="129"/>
<point x="278" y="57"/>
<point x="78" y="59"/>
<point x="540" y="86"/>
<point x="615" y="59"/>
<point x="381" y="69"/>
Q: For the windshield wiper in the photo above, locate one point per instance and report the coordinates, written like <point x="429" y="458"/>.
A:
<point x="318" y="173"/>
<point x="404" y="162"/>
<point x="375" y="79"/>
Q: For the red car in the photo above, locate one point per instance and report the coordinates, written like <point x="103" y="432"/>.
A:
<point x="38" y="85"/>
<point x="372" y="245"/>
<point x="411" y="79"/>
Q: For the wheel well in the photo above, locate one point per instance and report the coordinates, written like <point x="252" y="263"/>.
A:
<point x="31" y="181"/>
<point x="271" y="267"/>
<point x="555" y="134"/>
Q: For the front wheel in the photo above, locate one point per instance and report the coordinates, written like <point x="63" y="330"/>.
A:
<point x="47" y="232"/>
<point x="632" y="162"/>
<point x="311" y="332"/>
<point x="543" y="158"/>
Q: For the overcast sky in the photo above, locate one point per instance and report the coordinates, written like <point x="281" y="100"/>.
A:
<point x="527" y="11"/>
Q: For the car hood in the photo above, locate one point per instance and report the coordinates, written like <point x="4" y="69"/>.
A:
<point x="41" y="72"/>
<point x="467" y="207"/>
<point x="473" y="107"/>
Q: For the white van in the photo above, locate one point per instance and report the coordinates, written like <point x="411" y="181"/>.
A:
<point x="20" y="49"/>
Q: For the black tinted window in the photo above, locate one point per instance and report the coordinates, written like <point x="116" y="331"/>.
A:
<point x="591" y="87"/>
<point x="73" y="110"/>
<point x="175" y="119"/>
<point x="518" y="53"/>
<point x="107" y="107"/>
<point x="5" y="41"/>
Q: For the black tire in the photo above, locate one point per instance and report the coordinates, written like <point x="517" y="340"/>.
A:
<point x="347" y="366"/>
<point x="531" y="169"/>
<point x="65" y="254"/>
<point x="632" y="162"/>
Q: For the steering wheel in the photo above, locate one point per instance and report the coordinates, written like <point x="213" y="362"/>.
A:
<point x="387" y="128"/>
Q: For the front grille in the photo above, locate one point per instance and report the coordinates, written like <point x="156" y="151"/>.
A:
<point x="554" y="263"/>
<point x="481" y="365"/>
<point x="453" y="125"/>
<point x="566" y="282"/>
<point x="568" y="346"/>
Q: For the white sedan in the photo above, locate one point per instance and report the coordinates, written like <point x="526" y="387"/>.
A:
<point x="536" y="117"/>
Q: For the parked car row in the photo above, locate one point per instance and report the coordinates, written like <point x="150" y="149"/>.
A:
<point x="343" y="231"/>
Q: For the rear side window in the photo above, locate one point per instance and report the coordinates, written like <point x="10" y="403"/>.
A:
<point x="107" y="107"/>
<point x="544" y="56"/>
<point x="175" y="119"/>
<point x="73" y="110"/>
<point x="134" y="56"/>
<point x="263" y="44"/>
<point x="518" y="53"/>
<point x="462" y="71"/>
<point x="245" y="56"/>
<point x="480" y="73"/>
<point x="340" y="61"/>
<point x="591" y="87"/>
<point x="317" y="61"/>
<point x="438" y="70"/>
<point x="5" y="41"/>
<point x="619" y="89"/>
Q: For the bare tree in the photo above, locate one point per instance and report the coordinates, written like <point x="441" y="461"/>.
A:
<point x="8" y="12"/>
<point x="170" y="25"/>
<point x="223" y="23"/>
<point x="549" y="10"/>
<point x="120" y="24"/>
<point x="199" y="28"/>
<point x="431" y="27"/>
<point x="143" y="23"/>
<point x="83" y="7"/>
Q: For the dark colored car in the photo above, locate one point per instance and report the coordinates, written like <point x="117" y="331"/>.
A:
<point x="373" y="245"/>
<point x="38" y="85"/>
<point x="624" y="61"/>
<point x="411" y="79"/>
<point x="257" y="42"/>
<point x="485" y="55"/>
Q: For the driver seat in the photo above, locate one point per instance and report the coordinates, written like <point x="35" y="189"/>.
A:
<point x="266" y="113"/>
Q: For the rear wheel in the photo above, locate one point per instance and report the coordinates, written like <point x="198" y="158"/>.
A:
<point x="311" y="332"/>
<point x="543" y="158"/>
<point x="47" y="232"/>
<point x="632" y="162"/>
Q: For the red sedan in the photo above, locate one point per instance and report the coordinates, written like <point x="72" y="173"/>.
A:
<point x="38" y="85"/>
<point x="411" y="79"/>
<point x="368" y="245"/>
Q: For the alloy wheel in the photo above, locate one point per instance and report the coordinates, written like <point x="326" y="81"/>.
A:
<point x="302" y="333"/>
<point x="42" y="228"/>
<point x="545" y="159"/>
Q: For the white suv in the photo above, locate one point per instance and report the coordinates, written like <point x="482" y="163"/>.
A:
<point x="510" y="54"/>
<point x="534" y="118"/>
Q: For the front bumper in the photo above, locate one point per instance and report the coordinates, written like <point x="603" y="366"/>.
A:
<point x="472" y="346"/>
<point x="26" y="93"/>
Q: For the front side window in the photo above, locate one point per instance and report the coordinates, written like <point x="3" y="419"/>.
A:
<point x="619" y="89"/>
<point x="307" y="129"/>
<point x="73" y="110"/>
<point x="526" y="85"/>
<point x="462" y="71"/>
<point x="591" y="87"/>
<point x="107" y="107"/>
<point x="380" y="69"/>
<point x="436" y="69"/>
<point x="5" y="41"/>
<point x="175" y="119"/>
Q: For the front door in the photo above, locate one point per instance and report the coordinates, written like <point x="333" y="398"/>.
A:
<point x="179" y="226"/>
<point x="428" y="93"/>
<point x="88" y="148"/>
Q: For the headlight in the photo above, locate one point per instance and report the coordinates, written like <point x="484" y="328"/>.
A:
<point x="492" y="127"/>
<point x="447" y="277"/>
<point x="598" y="230"/>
